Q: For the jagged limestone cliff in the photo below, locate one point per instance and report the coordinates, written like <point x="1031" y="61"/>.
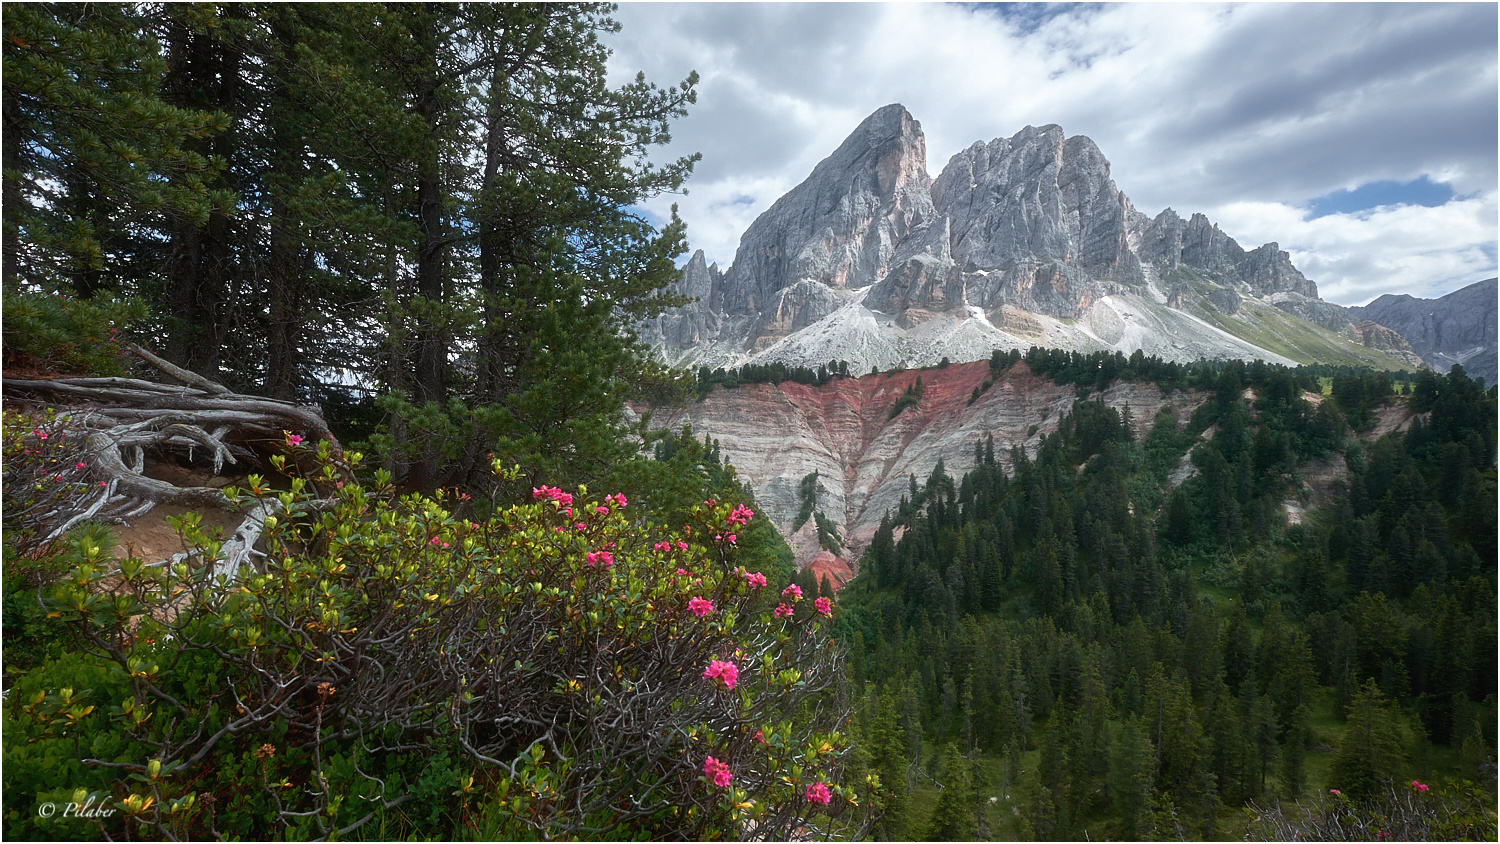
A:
<point x="1019" y="241"/>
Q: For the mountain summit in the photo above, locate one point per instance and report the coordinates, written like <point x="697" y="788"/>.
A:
<point x="1020" y="241"/>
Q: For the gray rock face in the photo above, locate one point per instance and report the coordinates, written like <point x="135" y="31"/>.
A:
<point x="1168" y="242"/>
<point x="1036" y="198"/>
<point x="1318" y="312"/>
<point x="1377" y="336"/>
<point x="922" y="275"/>
<point x="697" y="322"/>
<point x="840" y="227"/>
<point x="1019" y="241"/>
<point x="1457" y="328"/>
<point x="1267" y="271"/>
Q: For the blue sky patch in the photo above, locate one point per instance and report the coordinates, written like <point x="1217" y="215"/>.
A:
<point x="1423" y="192"/>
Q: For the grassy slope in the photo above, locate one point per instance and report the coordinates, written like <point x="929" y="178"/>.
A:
<point x="1277" y="331"/>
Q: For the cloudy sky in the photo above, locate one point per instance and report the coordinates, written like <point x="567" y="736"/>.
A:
<point x="1360" y="137"/>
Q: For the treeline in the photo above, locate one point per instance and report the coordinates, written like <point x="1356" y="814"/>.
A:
<point x="769" y="373"/>
<point x="1153" y="657"/>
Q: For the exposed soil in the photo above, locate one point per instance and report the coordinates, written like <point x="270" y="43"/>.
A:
<point x="152" y="538"/>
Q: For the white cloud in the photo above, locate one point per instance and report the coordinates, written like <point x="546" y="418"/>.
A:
<point x="1424" y="252"/>
<point x="1199" y="107"/>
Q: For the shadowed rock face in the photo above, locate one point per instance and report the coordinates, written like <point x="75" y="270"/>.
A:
<point x="1457" y="328"/>
<point x="871" y="261"/>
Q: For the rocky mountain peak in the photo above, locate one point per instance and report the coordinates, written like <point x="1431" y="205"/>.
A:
<point x="840" y="227"/>
<point x="1019" y="241"/>
<point x="1457" y="328"/>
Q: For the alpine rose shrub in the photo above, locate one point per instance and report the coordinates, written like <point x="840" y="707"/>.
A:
<point x="387" y="660"/>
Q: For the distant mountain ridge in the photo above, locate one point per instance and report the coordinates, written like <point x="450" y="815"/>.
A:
<point x="1457" y="328"/>
<point x="1020" y="241"/>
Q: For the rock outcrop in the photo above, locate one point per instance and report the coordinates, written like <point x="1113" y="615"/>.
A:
<point x="1457" y="328"/>
<point x="776" y="435"/>
<point x="1020" y="241"/>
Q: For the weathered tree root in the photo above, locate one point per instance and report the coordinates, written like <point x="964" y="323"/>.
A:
<point x="120" y="419"/>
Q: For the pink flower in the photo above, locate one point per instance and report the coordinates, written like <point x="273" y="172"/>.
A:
<point x="102" y="483"/>
<point x="41" y="435"/>
<point x="824" y="606"/>
<point x="683" y="573"/>
<point x="725" y="673"/>
<point x="741" y="515"/>
<point x="710" y="503"/>
<point x="760" y="737"/>
<point x="294" y="439"/>
<point x="80" y="465"/>
<point x="717" y="771"/>
<point x="755" y="579"/>
<point x="1382" y="835"/>
<point x="664" y="547"/>
<point x="730" y="538"/>
<point x="700" y="606"/>
<point x="603" y="511"/>
<point x="1334" y="791"/>
<point x="1418" y="786"/>
<point x="794" y="592"/>
<point x="603" y="558"/>
<point x="563" y="499"/>
<point x="681" y="546"/>
<point x="782" y="611"/>
<point x="818" y="793"/>
<point x="438" y="541"/>
<point x="581" y="526"/>
<point x="619" y="498"/>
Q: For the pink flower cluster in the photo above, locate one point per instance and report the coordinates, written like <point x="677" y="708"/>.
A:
<point x="730" y="538"/>
<point x="291" y="439"/>
<point x="601" y="558"/>
<point x="824" y="606"/>
<point x="755" y="579"/>
<point x="663" y="546"/>
<point x="782" y="611"/>
<point x="717" y="771"/>
<point x="1419" y="786"/>
<point x="563" y="498"/>
<point x="740" y="515"/>
<point x="436" y="541"/>
<point x="618" y="498"/>
<point x="726" y="673"/>
<point x="700" y="606"/>
<point x="818" y="793"/>
<point x="794" y="592"/>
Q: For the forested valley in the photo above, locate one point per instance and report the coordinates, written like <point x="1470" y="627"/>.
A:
<point x="342" y="297"/>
